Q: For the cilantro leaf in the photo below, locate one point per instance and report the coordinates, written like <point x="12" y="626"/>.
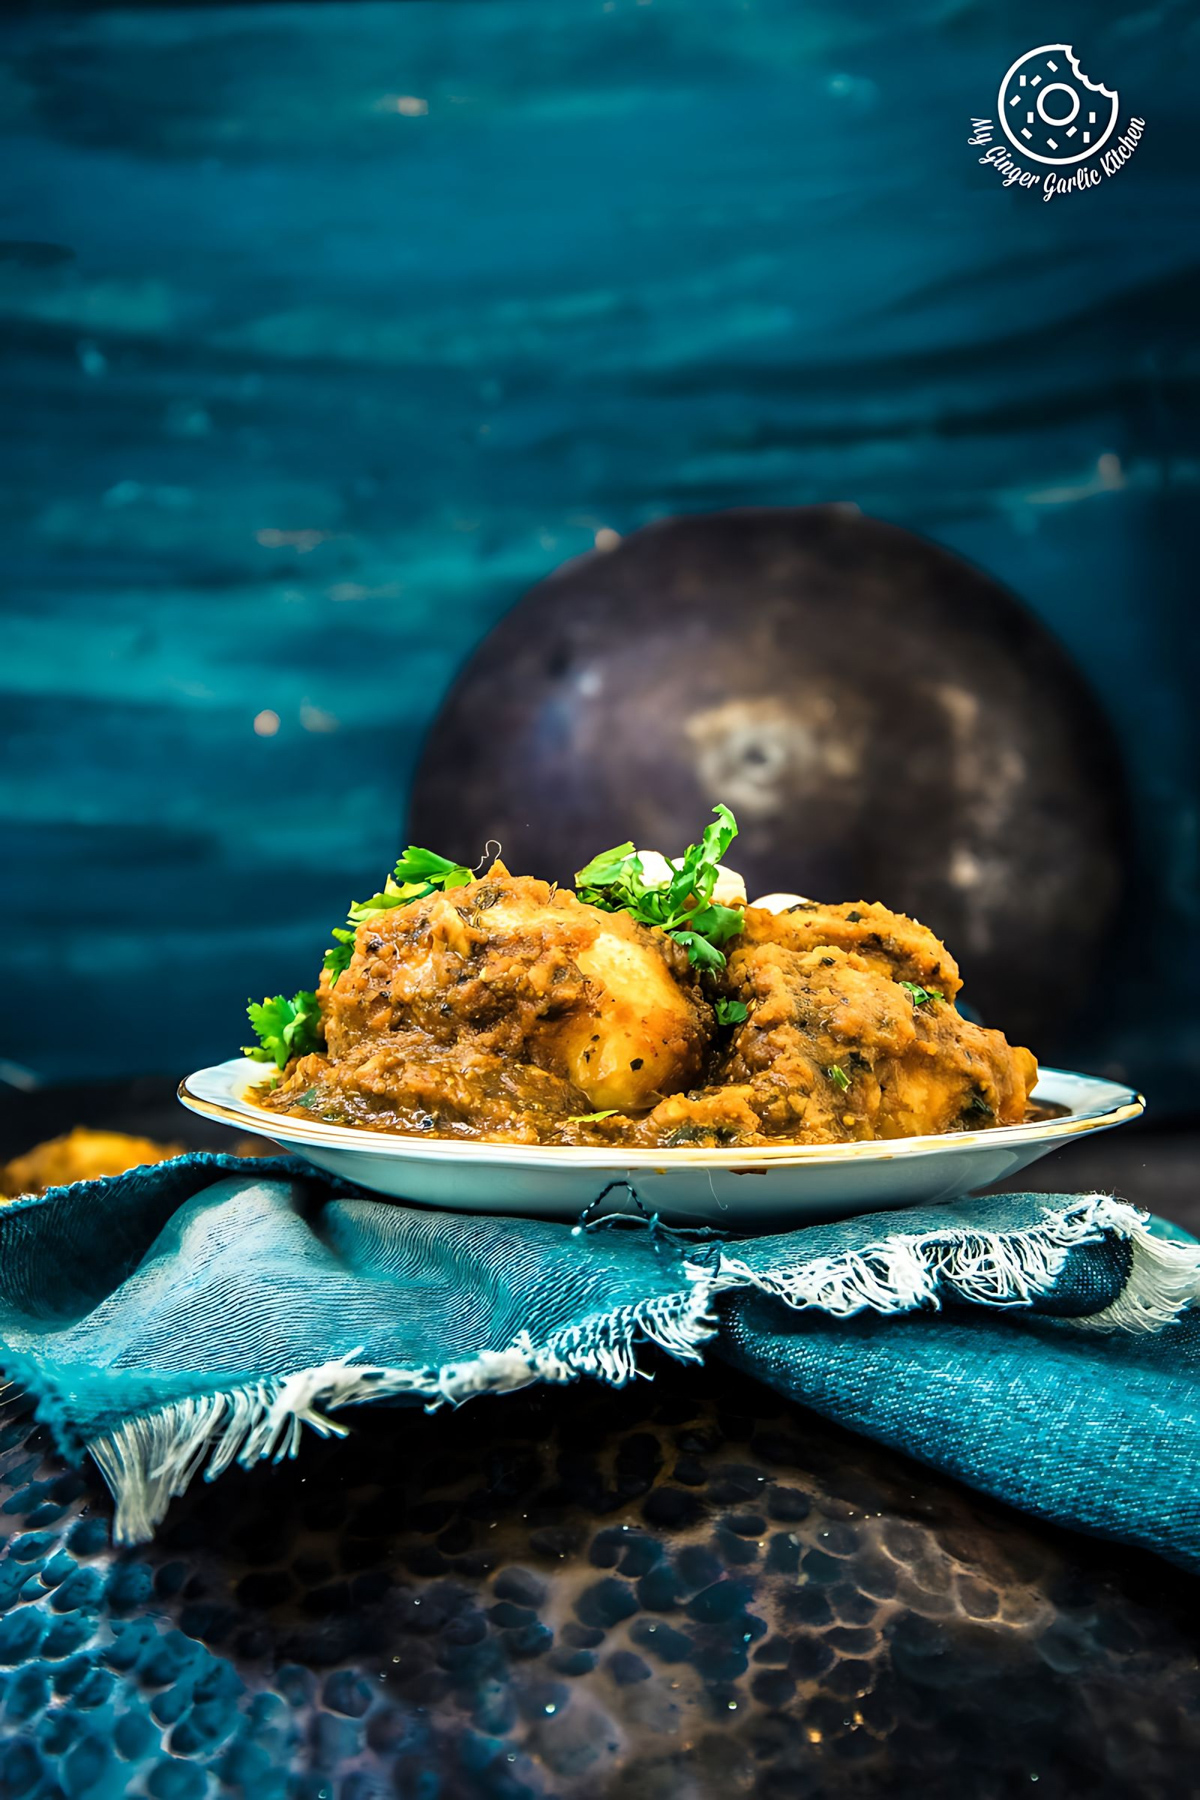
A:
<point x="717" y="839"/>
<point x="839" y="1077"/>
<point x="682" y="905"/>
<point x="337" y="959"/>
<point x="606" y="868"/>
<point x="284" y="1028"/>
<point x="920" y="996"/>
<point x="701" y="954"/>
<point x="418" y="865"/>
<point x="731" y="1012"/>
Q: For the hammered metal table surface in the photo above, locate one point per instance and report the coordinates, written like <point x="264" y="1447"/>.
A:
<point x="688" y="1588"/>
<point x="685" y="1589"/>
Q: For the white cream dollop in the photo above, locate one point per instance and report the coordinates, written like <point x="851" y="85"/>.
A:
<point x="778" y="903"/>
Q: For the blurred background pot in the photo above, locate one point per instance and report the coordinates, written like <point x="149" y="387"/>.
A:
<point x="885" y="721"/>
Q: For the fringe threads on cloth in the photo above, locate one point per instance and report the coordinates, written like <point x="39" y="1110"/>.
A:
<point x="1005" y="1269"/>
<point x="154" y="1456"/>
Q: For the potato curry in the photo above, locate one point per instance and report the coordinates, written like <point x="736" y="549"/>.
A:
<point x="650" y="1007"/>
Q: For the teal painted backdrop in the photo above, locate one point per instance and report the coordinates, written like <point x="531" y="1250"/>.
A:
<point x="328" y="329"/>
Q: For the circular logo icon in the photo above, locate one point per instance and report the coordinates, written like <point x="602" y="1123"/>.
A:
<point x="1049" y="109"/>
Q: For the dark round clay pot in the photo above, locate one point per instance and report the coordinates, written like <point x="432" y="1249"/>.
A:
<point x="885" y="721"/>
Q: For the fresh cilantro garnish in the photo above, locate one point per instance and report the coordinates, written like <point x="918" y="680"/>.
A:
<point x="589" y="1118"/>
<point x="731" y="1012"/>
<point x="337" y="959"/>
<point x="417" y="873"/>
<point x="920" y="996"/>
<point x="683" y="905"/>
<point x="285" y="1028"/>
<point x="426" y="868"/>
<point x="839" y="1077"/>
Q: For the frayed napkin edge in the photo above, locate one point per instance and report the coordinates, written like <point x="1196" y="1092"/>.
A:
<point x="153" y="1457"/>
<point x="904" y="1273"/>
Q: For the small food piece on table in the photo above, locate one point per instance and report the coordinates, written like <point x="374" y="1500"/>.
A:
<point x="81" y="1155"/>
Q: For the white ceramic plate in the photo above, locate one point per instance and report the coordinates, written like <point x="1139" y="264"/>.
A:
<point x="781" y="1185"/>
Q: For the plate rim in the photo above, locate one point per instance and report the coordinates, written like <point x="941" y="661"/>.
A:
<point x="245" y="1116"/>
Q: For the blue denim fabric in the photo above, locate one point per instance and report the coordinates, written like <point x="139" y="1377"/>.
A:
<point x="209" y="1307"/>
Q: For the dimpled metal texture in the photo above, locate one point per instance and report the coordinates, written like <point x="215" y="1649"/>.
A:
<point x="687" y="1588"/>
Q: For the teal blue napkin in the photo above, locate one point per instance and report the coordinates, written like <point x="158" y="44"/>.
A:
<point x="205" y="1311"/>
